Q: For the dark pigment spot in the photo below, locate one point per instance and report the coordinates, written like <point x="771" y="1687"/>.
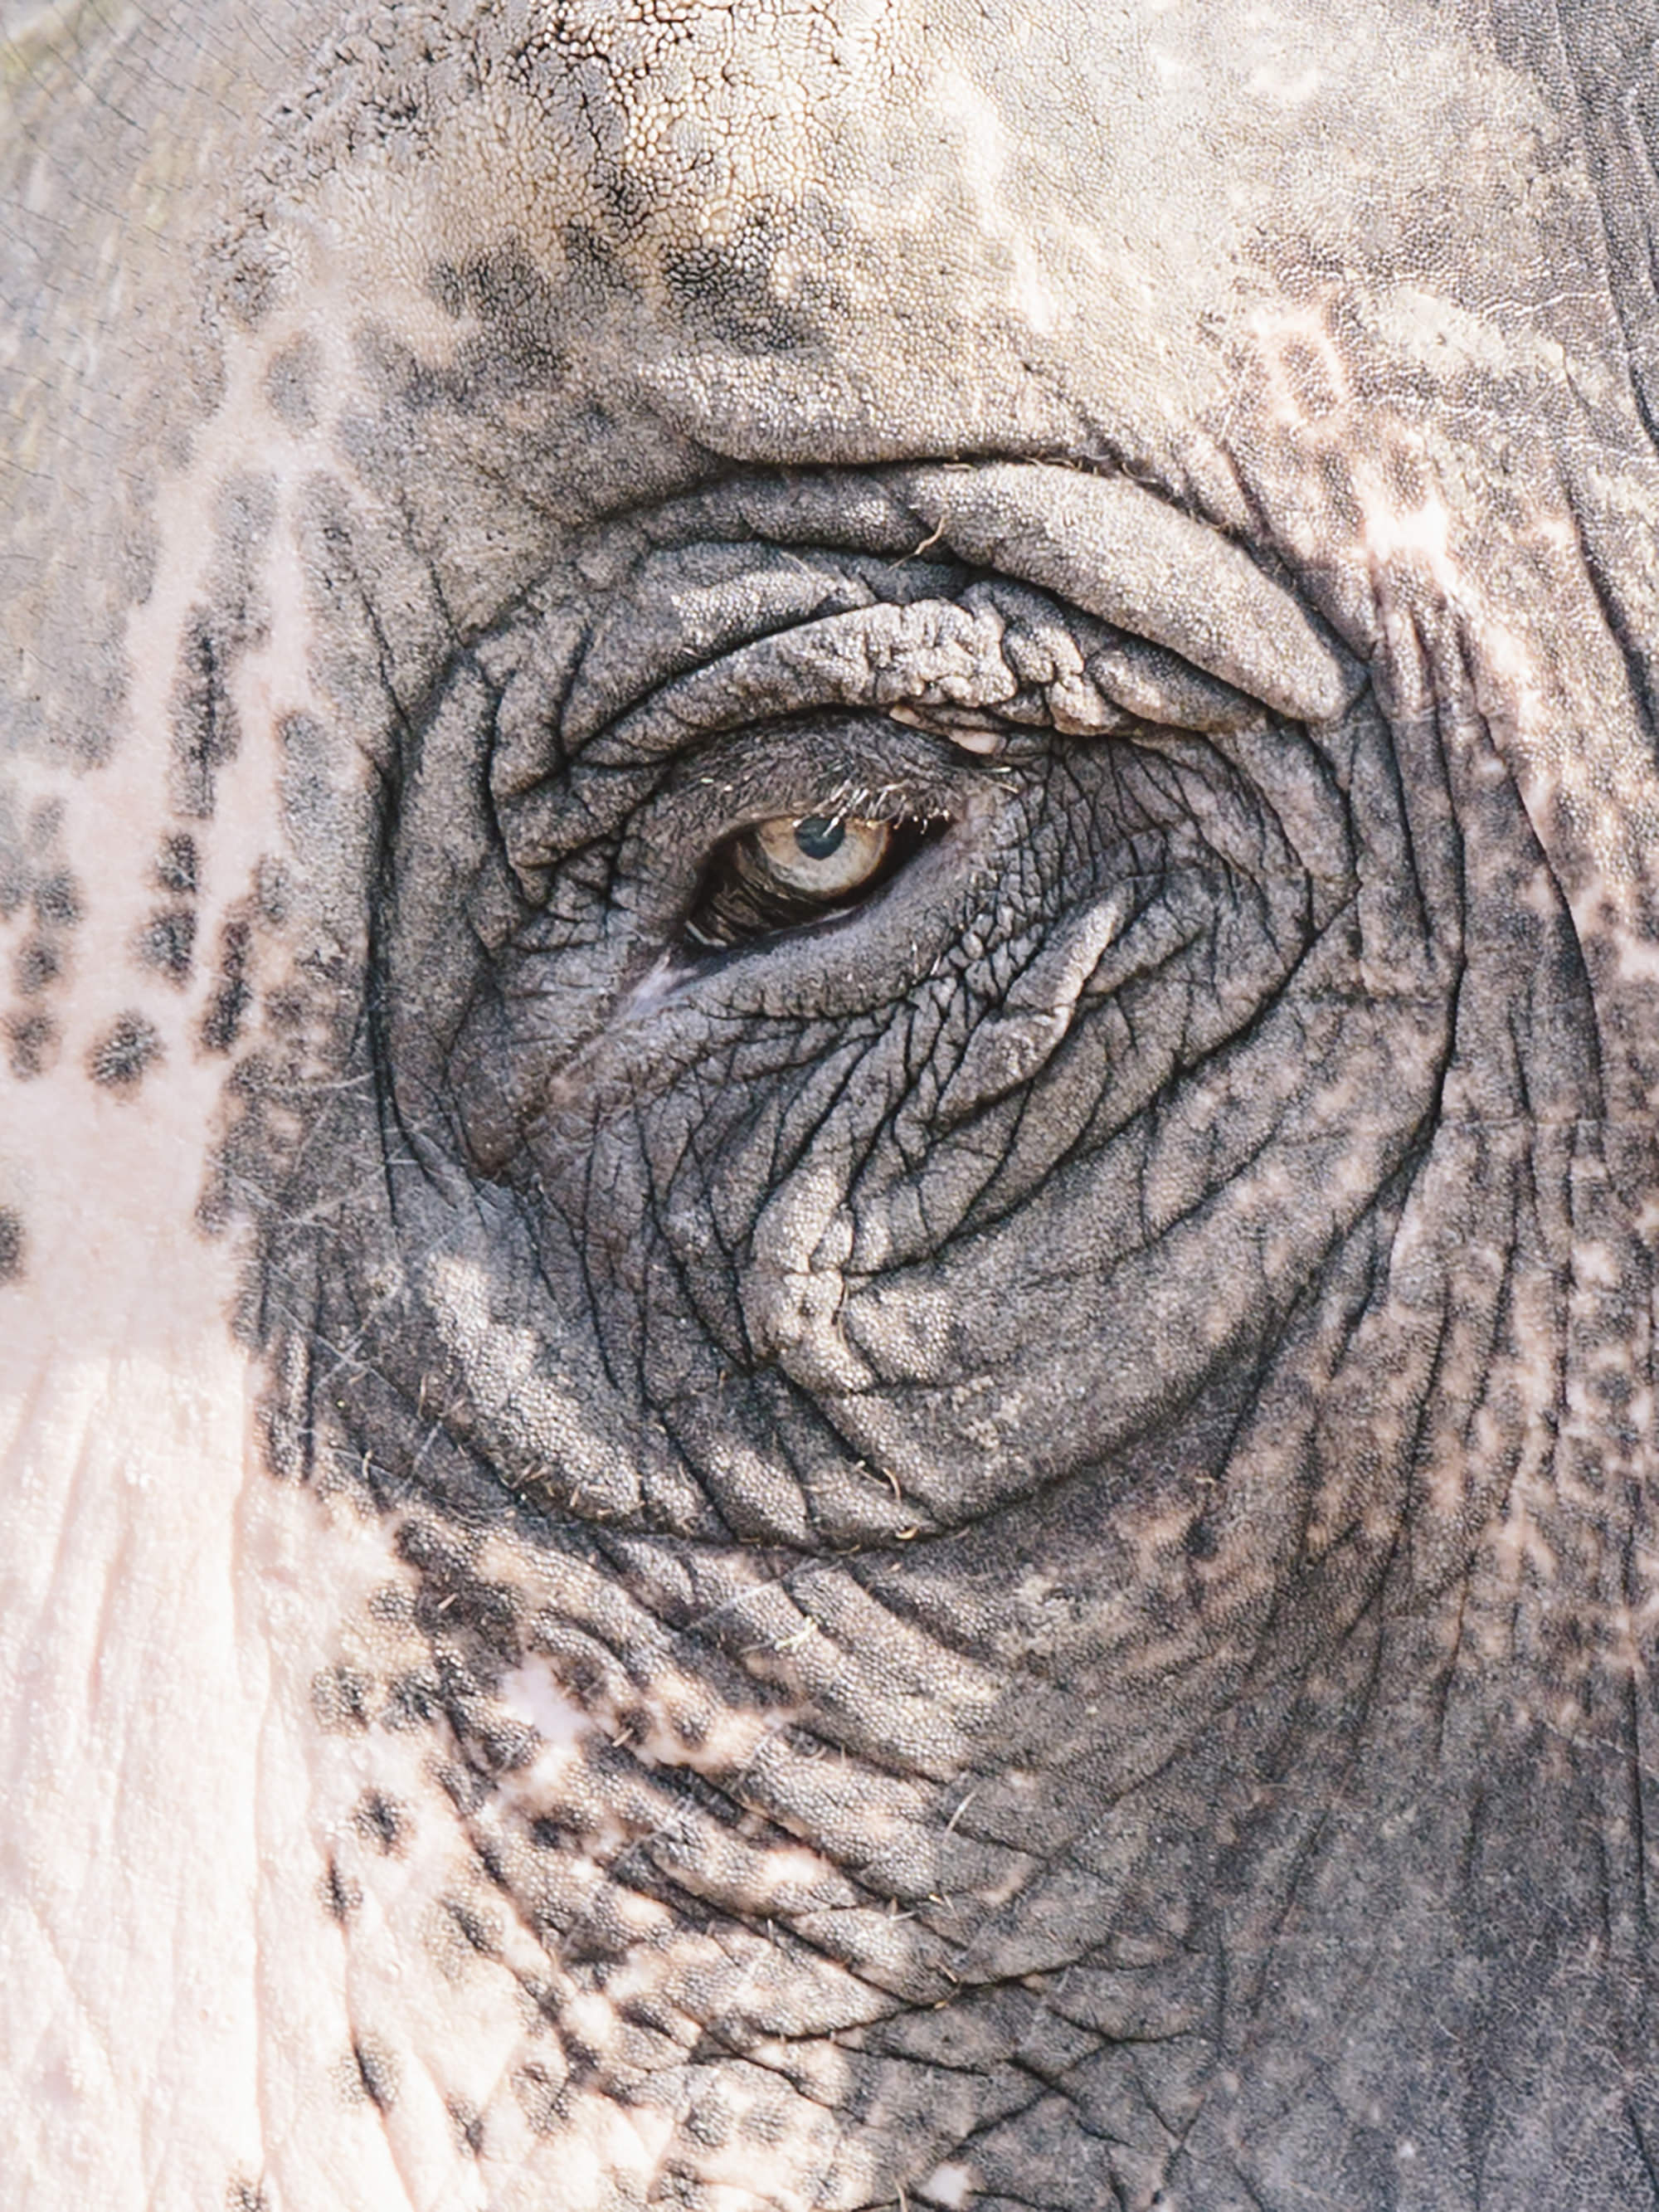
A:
<point x="176" y="866"/>
<point x="57" y="901"/>
<point x="468" y="2123"/>
<point x="473" y="1928"/>
<point x="205" y="733"/>
<point x="342" y="1897"/>
<point x="376" y="2075"/>
<point x="205" y="729"/>
<point x="167" y="941"/>
<point x="14" y="871"/>
<point x="33" y="1041"/>
<point x="290" y="383"/>
<point x="382" y="1821"/>
<point x="339" y="1697"/>
<point x="36" y="963"/>
<point x="11" y="1244"/>
<point x="121" y="1058"/>
<point x="538" y="2089"/>
<point x="226" y="1007"/>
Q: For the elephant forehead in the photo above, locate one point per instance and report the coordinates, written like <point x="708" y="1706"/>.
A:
<point x="815" y="202"/>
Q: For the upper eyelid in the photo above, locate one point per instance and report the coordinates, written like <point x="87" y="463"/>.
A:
<point x="1113" y="549"/>
<point x="665" y="626"/>
<point x="1200" y="627"/>
<point x="825" y="664"/>
<point x="883" y="656"/>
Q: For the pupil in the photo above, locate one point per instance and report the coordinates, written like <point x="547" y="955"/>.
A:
<point x="818" y="837"/>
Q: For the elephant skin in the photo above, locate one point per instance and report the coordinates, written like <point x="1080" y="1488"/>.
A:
<point x="985" y="1539"/>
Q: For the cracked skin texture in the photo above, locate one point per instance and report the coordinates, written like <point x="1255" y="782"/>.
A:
<point x="995" y="1548"/>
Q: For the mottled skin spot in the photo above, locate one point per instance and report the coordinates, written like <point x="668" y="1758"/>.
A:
<point x="166" y="942"/>
<point x="382" y="1821"/>
<point x="12" y="1244"/>
<point x="57" y="901"/>
<point x="121" y="1057"/>
<point x="341" y="1897"/>
<point x="39" y="963"/>
<point x="996" y="1550"/>
<point x="291" y="382"/>
<point x="372" y="2077"/>
<point x="32" y="1039"/>
<point x="232" y="994"/>
<point x="176" y="864"/>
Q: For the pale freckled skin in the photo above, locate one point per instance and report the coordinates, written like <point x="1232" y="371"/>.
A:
<point x="989" y="1543"/>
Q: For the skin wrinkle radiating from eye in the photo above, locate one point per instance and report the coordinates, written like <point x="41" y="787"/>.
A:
<point x="978" y="1533"/>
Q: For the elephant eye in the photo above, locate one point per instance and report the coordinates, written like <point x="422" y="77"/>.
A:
<point x="794" y="869"/>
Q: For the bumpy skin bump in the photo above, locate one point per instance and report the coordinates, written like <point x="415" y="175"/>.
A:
<point x="999" y="1550"/>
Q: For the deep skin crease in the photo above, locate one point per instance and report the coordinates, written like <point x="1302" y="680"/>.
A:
<point x="994" y="1550"/>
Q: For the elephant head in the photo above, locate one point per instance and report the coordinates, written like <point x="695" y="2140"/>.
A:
<point x="929" y="1050"/>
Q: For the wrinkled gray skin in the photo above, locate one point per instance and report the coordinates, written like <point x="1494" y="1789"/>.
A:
<point x="1018" y="1522"/>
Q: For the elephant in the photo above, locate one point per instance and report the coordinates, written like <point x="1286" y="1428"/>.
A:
<point x="827" y="1179"/>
